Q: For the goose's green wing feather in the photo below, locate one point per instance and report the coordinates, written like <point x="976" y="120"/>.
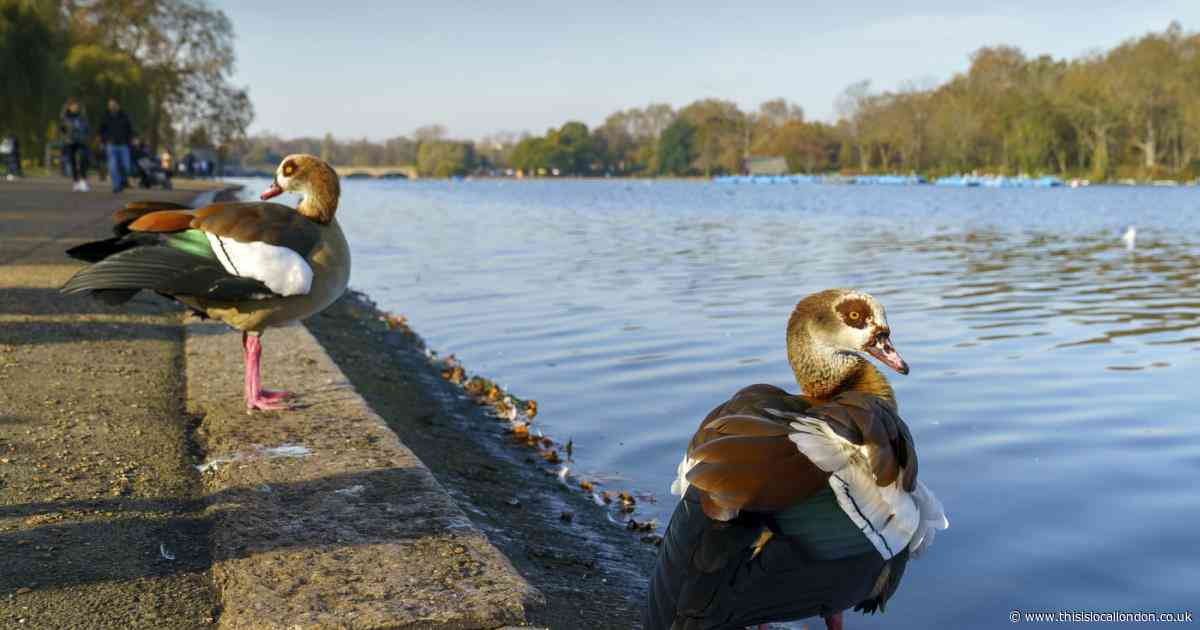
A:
<point x="191" y="241"/>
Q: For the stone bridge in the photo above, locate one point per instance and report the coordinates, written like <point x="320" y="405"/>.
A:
<point x="406" y="170"/>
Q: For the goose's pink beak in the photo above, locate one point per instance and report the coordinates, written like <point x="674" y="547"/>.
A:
<point x="883" y="350"/>
<point x="272" y="191"/>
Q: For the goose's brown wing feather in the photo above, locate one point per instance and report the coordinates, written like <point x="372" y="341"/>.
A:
<point x="136" y="209"/>
<point x="162" y="221"/>
<point x="245" y="222"/>
<point x="744" y="459"/>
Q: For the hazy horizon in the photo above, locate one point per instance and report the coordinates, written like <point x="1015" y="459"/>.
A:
<point x="382" y="71"/>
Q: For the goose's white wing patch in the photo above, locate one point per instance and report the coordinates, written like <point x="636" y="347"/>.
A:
<point x="933" y="518"/>
<point x="888" y="516"/>
<point x="283" y="270"/>
<point x="819" y="443"/>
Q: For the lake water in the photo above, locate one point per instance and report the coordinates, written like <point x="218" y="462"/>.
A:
<point x="1053" y="396"/>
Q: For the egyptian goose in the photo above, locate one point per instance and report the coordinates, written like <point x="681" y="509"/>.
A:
<point x="252" y="265"/>
<point x="798" y="505"/>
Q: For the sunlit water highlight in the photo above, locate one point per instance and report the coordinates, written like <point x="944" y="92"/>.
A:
<point x="1053" y="396"/>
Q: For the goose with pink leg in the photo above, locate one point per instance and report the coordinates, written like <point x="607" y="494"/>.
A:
<point x="253" y="265"/>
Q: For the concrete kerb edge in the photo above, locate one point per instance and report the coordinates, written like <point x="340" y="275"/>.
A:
<point x="307" y="345"/>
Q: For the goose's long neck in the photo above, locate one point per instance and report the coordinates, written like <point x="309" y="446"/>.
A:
<point x="824" y="372"/>
<point x="320" y="200"/>
<point x="317" y="208"/>
<point x="869" y="379"/>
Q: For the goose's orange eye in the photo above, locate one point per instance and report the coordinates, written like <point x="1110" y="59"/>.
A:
<point x="854" y="315"/>
<point x="288" y="169"/>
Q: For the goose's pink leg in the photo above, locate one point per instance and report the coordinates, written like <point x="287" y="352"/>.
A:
<point x="256" y="396"/>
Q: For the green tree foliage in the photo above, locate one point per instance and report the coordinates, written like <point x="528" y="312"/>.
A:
<point x="445" y="158"/>
<point x="677" y="148"/>
<point x="167" y="61"/>
<point x="572" y="150"/>
<point x="720" y="141"/>
<point x="185" y="50"/>
<point x="628" y="139"/>
<point x="568" y="150"/>
<point x="1131" y="110"/>
<point x="31" y="83"/>
<point x="532" y="156"/>
<point x="96" y="74"/>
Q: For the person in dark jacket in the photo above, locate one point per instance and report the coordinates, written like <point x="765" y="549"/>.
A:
<point x="116" y="130"/>
<point x="74" y="127"/>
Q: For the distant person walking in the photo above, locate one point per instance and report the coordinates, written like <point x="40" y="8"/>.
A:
<point x="74" y="127"/>
<point x="10" y="151"/>
<point x="116" y="130"/>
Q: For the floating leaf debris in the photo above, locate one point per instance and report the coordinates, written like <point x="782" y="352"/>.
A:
<point x="517" y="414"/>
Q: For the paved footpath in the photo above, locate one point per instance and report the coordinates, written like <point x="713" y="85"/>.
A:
<point x="105" y="519"/>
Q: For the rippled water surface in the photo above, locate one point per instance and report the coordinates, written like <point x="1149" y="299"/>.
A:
<point x="1053" y="395"/>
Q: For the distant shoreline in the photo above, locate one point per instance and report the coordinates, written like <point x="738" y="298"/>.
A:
<point x="1164" y="182"/>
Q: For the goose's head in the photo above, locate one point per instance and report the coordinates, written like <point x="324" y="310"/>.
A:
<point x="310" y="176"/>
<point x="827" y="333"/>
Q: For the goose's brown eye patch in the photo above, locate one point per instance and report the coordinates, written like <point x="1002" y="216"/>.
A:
<point x="853" y="313"/>
<point x="288" y="169"/>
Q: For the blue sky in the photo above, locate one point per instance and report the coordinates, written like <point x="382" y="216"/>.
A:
<point x="379" y="69"/>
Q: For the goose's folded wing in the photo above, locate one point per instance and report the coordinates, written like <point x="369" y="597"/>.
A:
<point x="165" y="270"/>
<point x="761" y="450"/>
<point x="265" y="241"/>
<point x="868" y="452"/>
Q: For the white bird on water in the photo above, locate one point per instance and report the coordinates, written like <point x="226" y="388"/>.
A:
<point x="1130" y="238"/>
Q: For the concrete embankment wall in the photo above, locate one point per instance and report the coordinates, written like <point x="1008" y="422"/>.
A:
<point x="135" y="491"/>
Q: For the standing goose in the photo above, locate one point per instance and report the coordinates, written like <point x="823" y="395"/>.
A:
<point x="798" y="505"/>
<point x="252" y="265"/>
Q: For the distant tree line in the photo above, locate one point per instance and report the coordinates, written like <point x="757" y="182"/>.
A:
<point x="1130" y="111"/>
<point x="1133" y="111"/>
<point x="427" y="149"/>
<point x="167" y="61"/>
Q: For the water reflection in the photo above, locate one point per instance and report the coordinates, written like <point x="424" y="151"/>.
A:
<point x="1035" y="281"/>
